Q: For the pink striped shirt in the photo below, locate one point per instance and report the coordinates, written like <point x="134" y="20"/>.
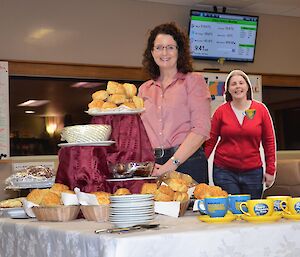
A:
<point x="171" y="114"/>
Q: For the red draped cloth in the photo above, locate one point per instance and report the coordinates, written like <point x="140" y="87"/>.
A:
<point x="86" y="167"/>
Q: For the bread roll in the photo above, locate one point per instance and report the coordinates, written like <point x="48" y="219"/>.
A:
<point x="122" y="191"/>
<point x="102" y="197"/>
<point x="117" y="99"/>
<point x="130" y="105"/>
<point x="50" y="199"/>
<point x="138" y="101"/>
<point x="200" y="190"/>
<point x="164" y="194"/>
<point x="178" y="185"/>
<point x="100" y="95"/>
<point x="44" y="197"/>
<point x="96" y="104"/>
<point x="180" y="197"/>
<point x="149" y="188"/>
<point x="109" y="105"/>
<point x="115" y="88"/>
<point x="11" y="203"/>
<point x="130" y="89"/>
<point x="59" y="187"/>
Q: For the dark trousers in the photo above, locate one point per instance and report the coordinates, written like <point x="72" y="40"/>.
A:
<point x="195" y="166"/>
<point x="247" y="182"/>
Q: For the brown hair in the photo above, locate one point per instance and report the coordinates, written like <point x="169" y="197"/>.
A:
<point x="228" y="96"/>
<point x="184" y="62"/>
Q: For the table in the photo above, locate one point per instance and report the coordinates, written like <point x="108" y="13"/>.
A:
<point x="184" y="236"/>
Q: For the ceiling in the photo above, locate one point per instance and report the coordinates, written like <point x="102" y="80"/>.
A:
<point x="272" y="7"/>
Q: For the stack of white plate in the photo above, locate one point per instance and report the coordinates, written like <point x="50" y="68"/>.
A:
<point x="130" y="210"/>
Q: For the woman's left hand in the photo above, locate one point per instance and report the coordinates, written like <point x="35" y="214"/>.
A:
<point x="269" y="179"/>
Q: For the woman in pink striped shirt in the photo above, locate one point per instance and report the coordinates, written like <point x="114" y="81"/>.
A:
<point x="177" y="103"/>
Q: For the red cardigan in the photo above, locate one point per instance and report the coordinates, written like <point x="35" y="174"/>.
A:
<point x="238" y="148"/>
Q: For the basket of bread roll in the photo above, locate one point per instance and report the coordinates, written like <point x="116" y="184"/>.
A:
<point x="98" y="212"/>
<point x="117" y="97"/>
<point x="48" y="206"/>
<point x="171" y="198"/>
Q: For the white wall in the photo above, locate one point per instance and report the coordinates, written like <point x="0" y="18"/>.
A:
<point x="114" y="32"/>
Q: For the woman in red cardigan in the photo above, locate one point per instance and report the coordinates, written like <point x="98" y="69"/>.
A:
<point x="242" y="124"/>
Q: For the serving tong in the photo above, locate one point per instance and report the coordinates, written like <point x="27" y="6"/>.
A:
<point x="120" y="230"/>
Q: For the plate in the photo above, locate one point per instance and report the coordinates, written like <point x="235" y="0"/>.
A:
<point x="128" y="179"/>
<point x="14" y="213"/>
<point x="291" y="216"/>
<point x="132" y="197"/>
<point x="261" y="219"/>
<point x="116" y="111"/>
<point x="127" y="224"/>
<point x="102" y="143"/>
<point x="227" y="218"/>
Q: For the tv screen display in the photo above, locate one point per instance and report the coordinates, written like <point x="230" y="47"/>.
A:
<point x="216" y="35"/>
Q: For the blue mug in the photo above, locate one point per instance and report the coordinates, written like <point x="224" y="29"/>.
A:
<point x="235" y="201"/>
<point x="215" y="207"/>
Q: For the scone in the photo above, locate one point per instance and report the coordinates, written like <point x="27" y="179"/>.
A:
<point x="115" y="88"/>
<point x="100" y="95"/>
<point x="130" y="105"/>
<point x="149" y="188"/>
<point x="130" y="89"/>
<point x="138" y="101"/>
<point x="117" y="99"/>
<point x="109" y="105"/>
<point x="96" y="104"/>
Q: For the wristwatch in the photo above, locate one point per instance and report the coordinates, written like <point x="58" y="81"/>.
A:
<point x="175" y="161"/>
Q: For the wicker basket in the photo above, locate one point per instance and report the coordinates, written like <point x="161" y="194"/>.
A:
<point x="98" y="213"/>
<point x="86" y="133"/>
<point x="59" y="213"/>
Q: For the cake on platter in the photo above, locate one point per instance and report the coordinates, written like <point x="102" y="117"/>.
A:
<point x="31" y="177"/>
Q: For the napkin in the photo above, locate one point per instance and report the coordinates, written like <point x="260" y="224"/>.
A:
<point x="85" y="198"/>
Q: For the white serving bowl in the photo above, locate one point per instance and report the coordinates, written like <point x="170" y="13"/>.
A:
<point x="86" y="133"/>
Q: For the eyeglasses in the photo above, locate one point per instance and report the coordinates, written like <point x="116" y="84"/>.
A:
<point x="169" y="48"/>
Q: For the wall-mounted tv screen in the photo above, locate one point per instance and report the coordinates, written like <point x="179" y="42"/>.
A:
<point x="216" y="35"/>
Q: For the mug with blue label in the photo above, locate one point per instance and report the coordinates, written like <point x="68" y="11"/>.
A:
<point x="258" y="207"/>
<point x="291" y="206"/>
<point x="277" y="200"/>
<point x="215" y="207"/>
<point x="235" y="201"/>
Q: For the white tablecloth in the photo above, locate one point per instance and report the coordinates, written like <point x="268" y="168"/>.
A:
<point x="184" y="236"/>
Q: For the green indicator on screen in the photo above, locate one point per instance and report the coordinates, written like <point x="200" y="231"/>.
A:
<point x="244" y="45"/>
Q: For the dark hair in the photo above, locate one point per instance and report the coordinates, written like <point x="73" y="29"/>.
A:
<point x="228" y="96"/>
<point x="184" y="62"/>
